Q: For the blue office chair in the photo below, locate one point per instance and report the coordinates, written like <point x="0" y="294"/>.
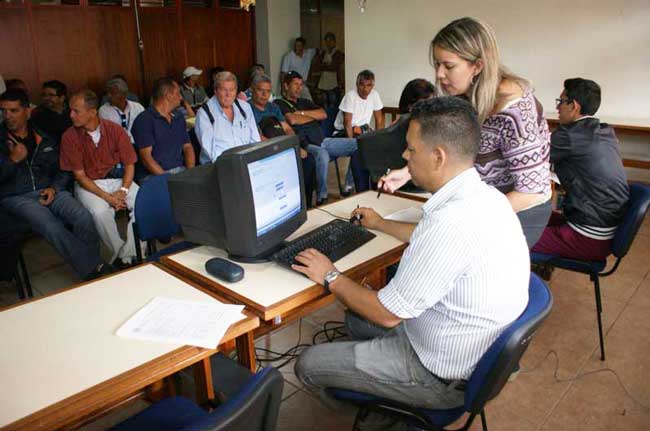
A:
<point x="485" y="383"/>
<point x="154" y="219"/>
<point x="254" y="408"/>
<point x="625" y="234"/>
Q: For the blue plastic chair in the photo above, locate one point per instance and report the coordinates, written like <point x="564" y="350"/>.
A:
<point x="254" y="408"/>
<point x="487" y="379"/>
<point x="625" y="234"/>
<point x="154" y="219"/>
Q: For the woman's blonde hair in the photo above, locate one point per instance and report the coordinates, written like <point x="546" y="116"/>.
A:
<point x="473" y="40"/>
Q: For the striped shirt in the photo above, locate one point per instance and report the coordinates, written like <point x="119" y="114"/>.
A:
<point x="463" y="278"/>
<point x="594" y="232"/>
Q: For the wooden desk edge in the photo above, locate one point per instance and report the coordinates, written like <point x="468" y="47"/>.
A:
<point x="281" y="307"/>
<point x="76" y="408"/>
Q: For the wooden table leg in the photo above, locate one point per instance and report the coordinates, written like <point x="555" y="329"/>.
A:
<point x="246" y="351"/>
<point x="203" y="381"/>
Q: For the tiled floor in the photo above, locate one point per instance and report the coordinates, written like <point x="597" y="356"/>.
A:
<point x="582" y="399"/>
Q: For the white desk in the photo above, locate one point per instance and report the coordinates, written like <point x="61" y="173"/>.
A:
<point x="60" y="357"/>
<point x="270" y="290"/>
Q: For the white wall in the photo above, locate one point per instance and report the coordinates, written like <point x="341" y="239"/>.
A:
<point x="604" y="40"/>
<point x="278" y="24"/>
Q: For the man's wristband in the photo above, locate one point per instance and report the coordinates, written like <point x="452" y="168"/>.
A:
<point x="124" y="189"/>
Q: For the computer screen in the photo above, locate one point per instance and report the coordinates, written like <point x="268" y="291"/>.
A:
<point x="246" y="202"/>
<point x="382" y="149"/>
<point x="275" y="182"/>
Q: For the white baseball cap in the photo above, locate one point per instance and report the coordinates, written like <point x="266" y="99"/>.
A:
<point x="191" y="71"/>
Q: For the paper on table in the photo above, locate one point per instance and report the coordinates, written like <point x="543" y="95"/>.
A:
<point x="176" y="321"/>
<point x="407" y="215"/>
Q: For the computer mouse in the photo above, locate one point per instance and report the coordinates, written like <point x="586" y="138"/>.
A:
<point x="224" y="270"/>
<point x="356" y="219"/>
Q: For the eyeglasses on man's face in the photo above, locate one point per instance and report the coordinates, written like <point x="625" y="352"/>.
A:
<point x="560" y="101"/>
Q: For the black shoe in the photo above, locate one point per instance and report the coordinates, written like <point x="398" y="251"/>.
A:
<point x="346" y="193"/>
<point x="119" y="265"/>
<point x="320" y="202"/>
<point x="102" y="270"/>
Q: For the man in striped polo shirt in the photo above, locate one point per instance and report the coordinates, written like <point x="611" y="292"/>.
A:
<point x="585" y="155"/>
<point x="461" y="281"/>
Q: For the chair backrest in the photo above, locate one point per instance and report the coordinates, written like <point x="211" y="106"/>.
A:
<point x="254" y="408"/>
<point x="153" y="210"/>
<point x="496" y="365"/>
<point x="637" y="207"/>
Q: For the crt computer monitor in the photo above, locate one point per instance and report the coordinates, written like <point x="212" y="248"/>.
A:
<point x="246" y="202"/>
<point x="382" y="149"/>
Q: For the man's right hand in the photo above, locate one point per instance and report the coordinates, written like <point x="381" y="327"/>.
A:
<point x="369" y="218"/>
<point x="394" y="180"/>
<point x="17" y="151"/>
<point x="116" y="201"/>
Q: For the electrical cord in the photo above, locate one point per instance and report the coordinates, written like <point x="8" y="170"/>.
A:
<point x="579" y="376"/>
<point x="332" y="214"/>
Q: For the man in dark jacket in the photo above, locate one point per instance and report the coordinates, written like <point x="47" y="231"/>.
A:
<point x="586" y="157"/>
<point x="33" y="188"/>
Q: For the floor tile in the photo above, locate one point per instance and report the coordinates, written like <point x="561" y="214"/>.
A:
<point x="303" y="412"/>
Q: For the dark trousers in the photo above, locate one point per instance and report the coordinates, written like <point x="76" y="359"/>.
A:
<point x="79" y="246"/>
<point x="533" y="221"/>
<point x="309" y="172"/>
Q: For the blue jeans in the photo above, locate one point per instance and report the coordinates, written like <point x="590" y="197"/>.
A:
<point x="322" y="159"/>
<point x="344" y="147"/>
<point x="380" y="362"/>
<point x="79" y="246"/>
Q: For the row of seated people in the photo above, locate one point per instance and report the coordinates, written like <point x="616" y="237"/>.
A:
<point x="98" y="150"/>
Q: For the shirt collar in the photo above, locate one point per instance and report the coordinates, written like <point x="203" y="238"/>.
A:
<point x="450" y="190"/>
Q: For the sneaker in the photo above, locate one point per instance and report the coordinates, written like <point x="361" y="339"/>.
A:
<point x="346" y="192"/>
<point x="320" y="202"/>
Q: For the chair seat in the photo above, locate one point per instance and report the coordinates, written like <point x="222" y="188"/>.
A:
<point x="585" y="267"/>
<point x="174" y="248"/>
<point x="439" y="418"/>
<point x="167" y="415"/>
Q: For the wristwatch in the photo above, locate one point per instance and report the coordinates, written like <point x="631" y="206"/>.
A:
<point x="330" y="276"/>
<point x="124" y="189"/>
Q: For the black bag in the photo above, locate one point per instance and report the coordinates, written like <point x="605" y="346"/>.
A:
<point x="271" y="127"/>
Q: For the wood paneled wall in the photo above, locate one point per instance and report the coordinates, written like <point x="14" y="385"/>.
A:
<point x="84" y="45"/>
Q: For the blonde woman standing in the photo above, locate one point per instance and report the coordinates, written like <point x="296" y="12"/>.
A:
<point x="515" y="140"/>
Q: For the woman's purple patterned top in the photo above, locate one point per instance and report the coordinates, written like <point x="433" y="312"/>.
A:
<point x="514" y="148"/>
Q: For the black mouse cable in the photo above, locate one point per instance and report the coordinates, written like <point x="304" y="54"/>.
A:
<point x="332" y="214"/>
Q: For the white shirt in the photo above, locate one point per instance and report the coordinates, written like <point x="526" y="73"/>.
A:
<point x="291" y="61"/>
<point x="463" y="278"/>
<point x="113" y="113"/>
<point x="361" y="109"/>
<point x="96" y="136"/>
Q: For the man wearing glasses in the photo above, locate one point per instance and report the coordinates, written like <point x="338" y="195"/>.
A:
<point x="119" y="109"/>
<point x="53" y="116"/>
<point x="588" y="163"/>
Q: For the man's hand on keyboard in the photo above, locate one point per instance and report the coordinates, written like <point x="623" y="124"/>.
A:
<point x="369" y="218"/>
<point x="313" y="264"/>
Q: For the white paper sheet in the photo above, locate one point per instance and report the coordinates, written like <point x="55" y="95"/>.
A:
<point x="407" y="215"/>
<point x="184" y="322"/>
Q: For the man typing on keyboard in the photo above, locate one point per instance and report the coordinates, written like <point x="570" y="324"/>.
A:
<point x="461" y="281"/>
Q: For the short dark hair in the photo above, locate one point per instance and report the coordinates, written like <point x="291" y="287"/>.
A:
<point x="415" y="90"/>
<point x="451" y="122"/>
<point x="15" y="95"/>
<point x="290" y="76"/>
<point x="89" y="97"/>
<point x="58" y="86"/>
<point x="162" y="86"/>
<point x="301" y="40"/>
<point x="584" y="91"/>
<point x="365" y="75"/>
<point x="15" y="83"/>
<point x="329" y="35"/>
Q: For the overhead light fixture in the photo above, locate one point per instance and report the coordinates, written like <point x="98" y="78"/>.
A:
<point x="362" y="5"/>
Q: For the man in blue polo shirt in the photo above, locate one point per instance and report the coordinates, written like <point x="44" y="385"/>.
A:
<point x="161" y="135"/>
<point x="224" y="122"/>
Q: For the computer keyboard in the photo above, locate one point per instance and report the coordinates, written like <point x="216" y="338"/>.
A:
<point x="334" y="239"/>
